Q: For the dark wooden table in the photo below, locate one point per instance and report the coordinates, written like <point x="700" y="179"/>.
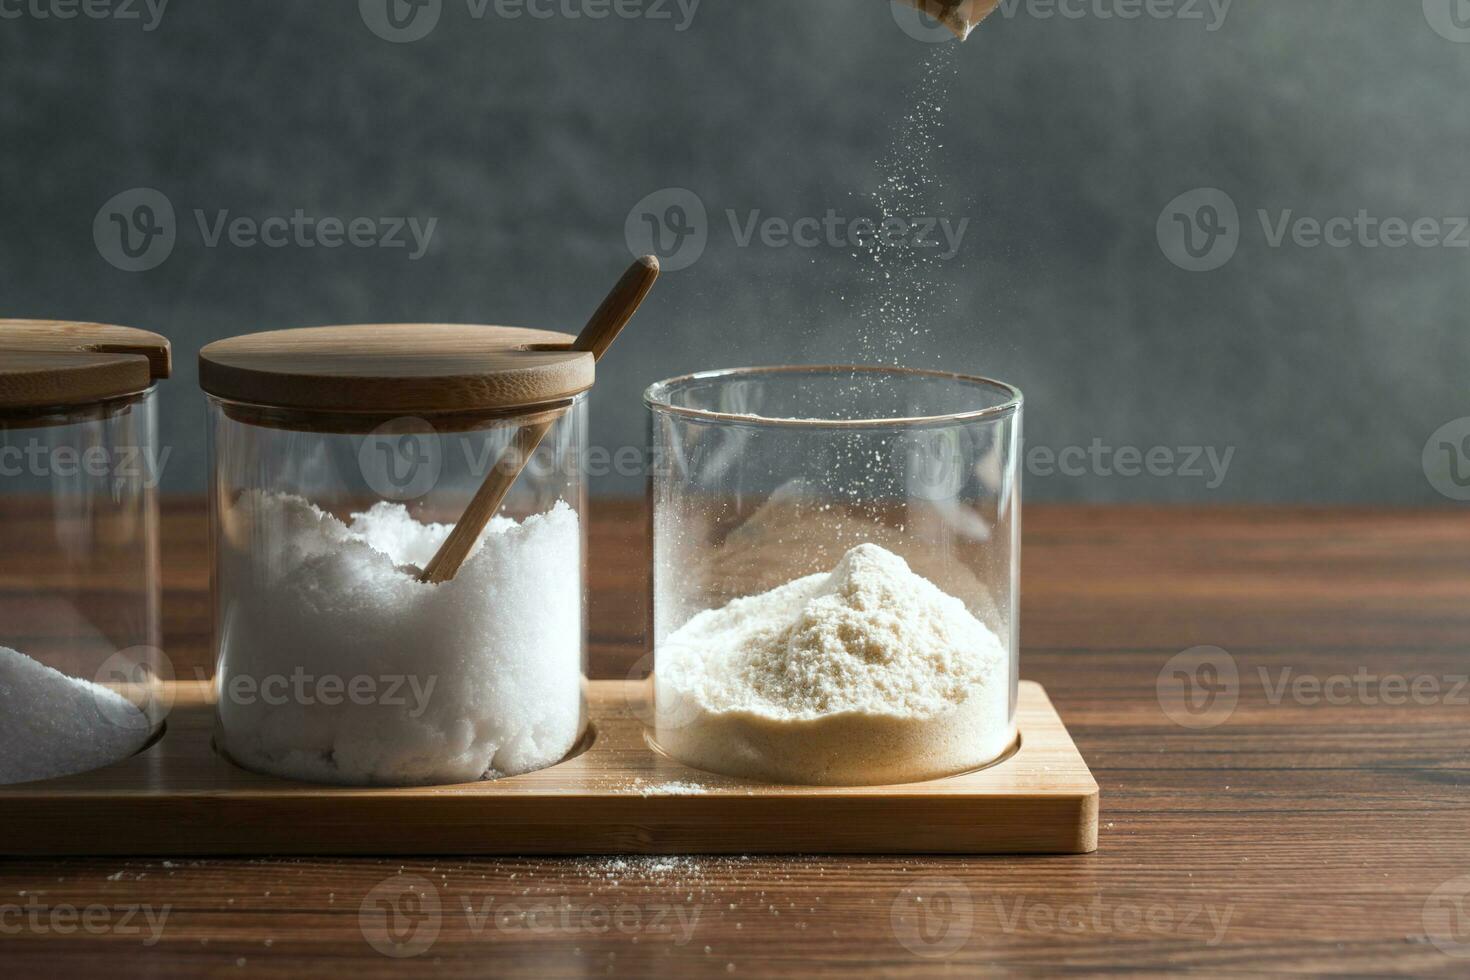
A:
<point x="1321" y="826"/>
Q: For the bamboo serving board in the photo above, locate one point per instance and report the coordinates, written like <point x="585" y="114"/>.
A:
<point x="618" y="796"/>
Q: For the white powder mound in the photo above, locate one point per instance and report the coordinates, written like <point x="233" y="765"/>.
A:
<point x="54" y="725"/>
<point x="869" y="674"/>
<point x="338" y="665"/>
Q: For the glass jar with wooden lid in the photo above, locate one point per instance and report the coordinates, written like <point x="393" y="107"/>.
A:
<point x="351" y="645"/>
<point x="81" y="670"/>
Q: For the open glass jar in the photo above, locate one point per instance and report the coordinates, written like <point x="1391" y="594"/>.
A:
<point x="81" y="672"/>
<point x="835" y="572"/>
<point x="340" y="458"/>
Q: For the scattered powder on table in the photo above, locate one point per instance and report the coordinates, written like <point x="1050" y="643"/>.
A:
<point x="477" y="677"/>
<point x="869" y="674"/>
<point x="54" y="725"/>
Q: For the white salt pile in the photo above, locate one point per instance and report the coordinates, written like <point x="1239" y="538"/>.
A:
<point x="338" y="665"/>
<point x="54" y="725"/>
<point x="869" y="674"/>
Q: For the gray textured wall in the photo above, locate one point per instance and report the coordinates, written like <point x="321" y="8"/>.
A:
<point x="1325" y="369"/>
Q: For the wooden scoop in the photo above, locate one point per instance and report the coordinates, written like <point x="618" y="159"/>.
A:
<point x="614" y="313"/>
<point x="960" y="16"/>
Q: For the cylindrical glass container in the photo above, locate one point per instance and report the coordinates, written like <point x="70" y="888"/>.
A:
<point x="81" y="670"/>
<point x="836" y="557"/>
<point x="336" y="660"/>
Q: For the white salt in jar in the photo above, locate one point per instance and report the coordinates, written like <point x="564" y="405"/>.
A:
<point x="341" y="457"/>
<point x="81" y="672"/>
<point x="836" y="555"/>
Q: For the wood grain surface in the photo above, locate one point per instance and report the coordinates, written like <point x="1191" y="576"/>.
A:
<point x="46" y="363"/>
<point x="1319" y="827"/>
<point x="406" y="368"/>
<point x="615" y="794"/>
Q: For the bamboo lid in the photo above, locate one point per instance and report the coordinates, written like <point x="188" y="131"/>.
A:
<point x="52" y="363"/>
<point x="397" y="368"/>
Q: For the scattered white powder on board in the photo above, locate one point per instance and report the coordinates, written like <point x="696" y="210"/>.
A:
<point x="869" y="674"/>
<point x="54" y="725"/>
<point x="477" y="677"/>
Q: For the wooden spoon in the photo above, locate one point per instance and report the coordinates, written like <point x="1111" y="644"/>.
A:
<point x="614" y="313"/>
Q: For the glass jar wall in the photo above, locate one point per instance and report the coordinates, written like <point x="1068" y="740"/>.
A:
<point x="336" y="660"/>
<point x="835" y="572"/>
<point x="82" y="675"/>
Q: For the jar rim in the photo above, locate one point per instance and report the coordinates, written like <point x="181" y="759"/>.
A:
<point x="658" y="397"/>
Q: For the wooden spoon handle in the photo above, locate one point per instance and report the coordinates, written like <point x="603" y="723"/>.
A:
<point x="609" y="319"/>
<point x="601" y="330"/>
